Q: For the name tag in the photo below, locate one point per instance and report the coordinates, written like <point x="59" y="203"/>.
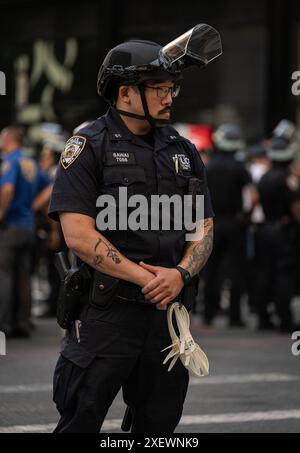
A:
<point x="120" y="158"/>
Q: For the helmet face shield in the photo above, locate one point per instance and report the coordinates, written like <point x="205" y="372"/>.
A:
<point x="198" y="46"/>
<point x="136" y="62"/>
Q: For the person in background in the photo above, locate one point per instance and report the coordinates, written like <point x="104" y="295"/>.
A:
<point x="21" y="184"/>
<point x="227" y="179"/>
<point x="279" y="242"/>
<point x="48" y="233"/>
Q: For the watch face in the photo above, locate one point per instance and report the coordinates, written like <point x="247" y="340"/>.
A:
<point x="186" y="278"/>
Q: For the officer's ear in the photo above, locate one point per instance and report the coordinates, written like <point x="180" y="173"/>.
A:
<point x="124" y="94"/>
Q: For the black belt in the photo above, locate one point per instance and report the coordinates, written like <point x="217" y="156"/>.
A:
<point x="132" y="293"/>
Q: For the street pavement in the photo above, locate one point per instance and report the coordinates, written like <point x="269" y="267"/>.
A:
<point x="253" y="385"/>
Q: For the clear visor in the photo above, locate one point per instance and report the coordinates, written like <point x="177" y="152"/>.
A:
<point x="201" y="44"/>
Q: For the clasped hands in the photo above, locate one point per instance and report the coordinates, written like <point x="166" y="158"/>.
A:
<point x="163" y="287"/>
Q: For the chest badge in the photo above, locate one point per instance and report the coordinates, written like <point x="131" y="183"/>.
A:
<point x="181" y="162"/>
<point x="73" y="149"/>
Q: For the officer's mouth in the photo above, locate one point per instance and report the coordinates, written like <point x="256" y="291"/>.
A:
<point x="166" y="112"/>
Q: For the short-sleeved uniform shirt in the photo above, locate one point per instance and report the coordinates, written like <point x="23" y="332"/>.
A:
<point x="28" y="180"/>
<point x="106" y="156"/>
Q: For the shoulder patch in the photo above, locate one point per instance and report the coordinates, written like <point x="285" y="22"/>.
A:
<point x="5" y="168"/>
<point x="74" y="147"/>
<point x="28" y="169"/>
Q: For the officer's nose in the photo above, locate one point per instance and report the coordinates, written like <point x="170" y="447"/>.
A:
<point x="168" y="100"/>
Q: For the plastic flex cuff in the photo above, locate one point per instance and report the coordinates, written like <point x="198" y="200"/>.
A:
<point x="184" y="346"/>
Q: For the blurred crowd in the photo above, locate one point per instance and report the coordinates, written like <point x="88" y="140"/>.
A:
<point x="256" y="257"/>
<point x="28" y="238"/>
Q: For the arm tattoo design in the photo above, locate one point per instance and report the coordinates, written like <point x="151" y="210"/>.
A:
<point x="98" y="243"/>
<point x="198" y="253"/>
<point x="98" y="260"/>
<point x="111" y="253"/>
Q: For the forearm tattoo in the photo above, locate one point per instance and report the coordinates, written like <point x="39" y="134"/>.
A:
<point x="197" y="253"/>
<point x="98" y="260"/>
<point x="111" y="253"/>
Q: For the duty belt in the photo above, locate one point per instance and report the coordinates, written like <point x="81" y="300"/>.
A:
<point x="130" y="292"/>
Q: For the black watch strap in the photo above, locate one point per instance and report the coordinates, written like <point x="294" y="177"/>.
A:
<point x="185" y="275"/>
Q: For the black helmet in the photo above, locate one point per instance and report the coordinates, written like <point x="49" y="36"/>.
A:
<point x="132" y="63"/>
<point x="229" y="137"/>
<point x="282" y="151"/>
<point x="285" y="130"/>
<point x="257" y="151"/>
<point x="135" y="62"/>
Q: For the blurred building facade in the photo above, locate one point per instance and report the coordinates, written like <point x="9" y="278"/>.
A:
<point x="51" y="52"/>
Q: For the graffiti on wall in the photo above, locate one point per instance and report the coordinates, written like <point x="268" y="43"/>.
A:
<point x="43" y="72"/>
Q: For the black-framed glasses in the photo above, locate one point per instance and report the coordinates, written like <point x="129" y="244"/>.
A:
<point x="162" y="92"/>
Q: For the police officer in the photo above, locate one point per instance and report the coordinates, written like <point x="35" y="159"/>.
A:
<point x="258" y="165"/>
<point x="137" y="273"/>
<point x="20" y="183"/>
<point x="279" y="267"/>
<point x="227" y="178"/>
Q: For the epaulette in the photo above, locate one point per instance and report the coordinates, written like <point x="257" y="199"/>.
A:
<point x="93" y="129"/>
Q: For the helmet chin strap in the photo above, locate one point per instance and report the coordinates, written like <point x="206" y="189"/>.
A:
<point x="151" y="120"/>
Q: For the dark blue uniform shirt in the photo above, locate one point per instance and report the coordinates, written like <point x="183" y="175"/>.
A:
<point x="93" y="164"/>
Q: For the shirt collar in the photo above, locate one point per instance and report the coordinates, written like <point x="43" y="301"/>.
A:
<point x="119" y="132"/>
<point x="116" y="128"/>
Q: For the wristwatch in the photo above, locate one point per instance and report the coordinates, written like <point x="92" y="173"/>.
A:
<point x="185" y="275"/>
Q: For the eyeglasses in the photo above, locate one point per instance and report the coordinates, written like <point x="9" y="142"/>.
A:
<point x="162" y="92"/>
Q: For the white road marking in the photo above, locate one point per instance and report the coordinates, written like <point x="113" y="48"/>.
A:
<point x="241" y="417"/>
<point x="187" y="420"/>
<point x="210" y="380"/>
<point x="32" y="388"/>
<point x="28" y="429"/>
<point x="244" y="379"/>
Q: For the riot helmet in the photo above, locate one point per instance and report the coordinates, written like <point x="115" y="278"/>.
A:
<point x="137" y="61"/>
<point x="229" y="138"/>
<point x="285" y="130"/>
<point x="282" y="151"/>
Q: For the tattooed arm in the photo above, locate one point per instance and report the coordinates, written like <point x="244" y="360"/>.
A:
<point x="197" y="253"/>
<point x="168" y="282"/>
<point x="94" y="249"/>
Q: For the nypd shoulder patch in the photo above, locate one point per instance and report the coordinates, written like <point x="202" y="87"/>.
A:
<point x="5" y="168"/>
<point x="74" y="147"/>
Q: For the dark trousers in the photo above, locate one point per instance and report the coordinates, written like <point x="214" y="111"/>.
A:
<point x="120" y="347"/>
<point x="277" y="270"/>
<point x="15" y="295"/>
<point x="226" y="261"/>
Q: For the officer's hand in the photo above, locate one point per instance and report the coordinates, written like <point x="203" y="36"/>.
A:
<point x="163" y="289"/>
